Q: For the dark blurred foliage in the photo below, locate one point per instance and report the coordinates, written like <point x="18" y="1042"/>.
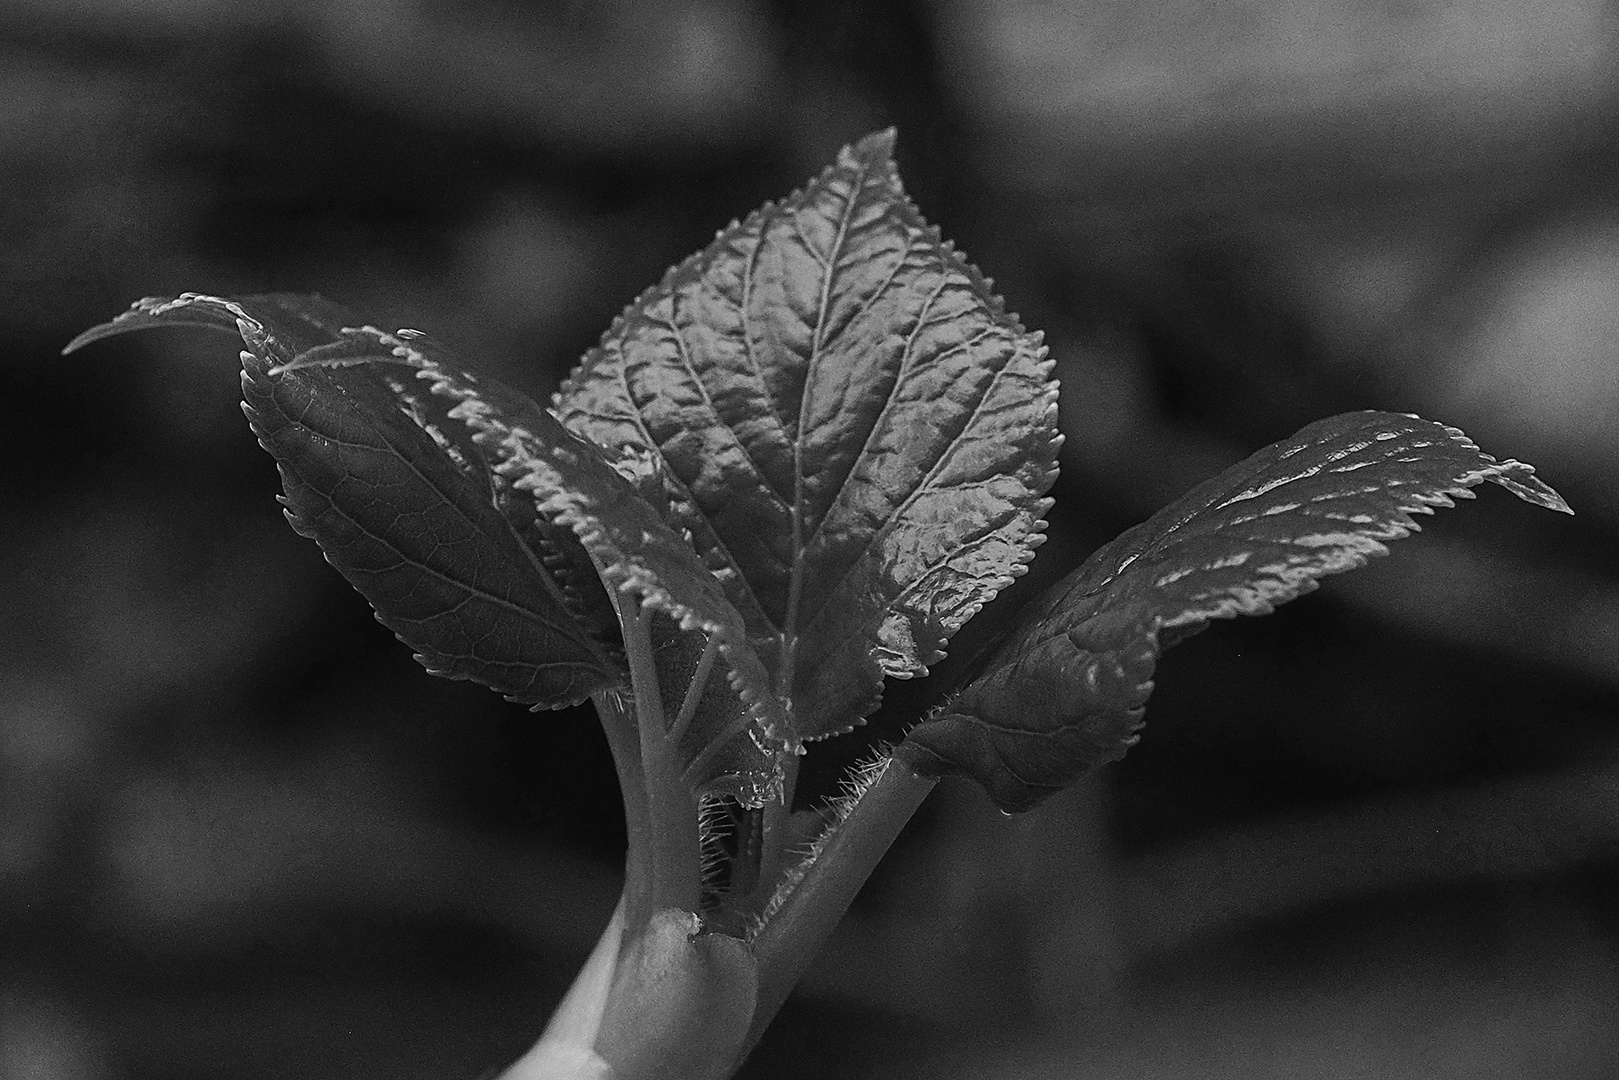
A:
<point x="1377" y="834"/>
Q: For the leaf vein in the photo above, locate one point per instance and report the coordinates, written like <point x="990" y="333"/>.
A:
<point x="905" y="359"/>
<point x="684" y="493"/>
<point x="407" y="560"/>
<point x="748" y="352"/>
<point x="708" y="400"/>
<point x="795" y="582"/>
<point x="943" y="459"/>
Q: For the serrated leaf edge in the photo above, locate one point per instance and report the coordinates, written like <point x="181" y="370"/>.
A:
<point x="253" y="334"/>
<point x="1262" y="597"/>
<point x="489" y="430"/>
<point x="1361" y="546"/>
<point x="872" y="151"/>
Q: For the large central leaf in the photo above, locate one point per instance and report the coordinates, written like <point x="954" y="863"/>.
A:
<point x="854" y="431"/>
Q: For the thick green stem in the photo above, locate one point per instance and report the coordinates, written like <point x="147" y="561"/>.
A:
<point x="567" y="1049"/>
<point x="842" y="862"/>
<point x="680" y="1004"/>
<point x="619" y="722"/>
<point x="578" y="1018"/>
<point x="676" y="863"/>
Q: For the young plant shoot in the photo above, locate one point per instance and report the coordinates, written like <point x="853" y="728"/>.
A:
<point x="792" y="469"/>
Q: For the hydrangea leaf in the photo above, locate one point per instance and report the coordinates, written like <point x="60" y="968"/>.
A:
<point x="737" y="741"/>
<point x="853" y="429"/>
<point x="403" y="504"/>
<point x="1065" y="691"/>
<point x="350" y="411"/>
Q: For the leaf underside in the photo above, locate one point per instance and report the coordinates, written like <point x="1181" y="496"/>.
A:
<point x="1066" y="690"/>
<point x="636" y="552"/>
<point x="473" y="522"/>
<point x="476" y="525"/>
<point x="855" y="433"/>
<point x="401" y="502"/>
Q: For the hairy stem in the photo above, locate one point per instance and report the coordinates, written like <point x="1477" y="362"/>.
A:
<point x="774" y="830"/>
<point x="761" y="854"/>
<point x="839" y="865"/>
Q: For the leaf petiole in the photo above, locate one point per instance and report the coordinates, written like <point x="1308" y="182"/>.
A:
<point x="762" y="846"/>
<point x="774" y="829"/>
<point x="617" y="716"/>
<point x="675" y="870"/>
<point x="805" y="912"/>
<point x="694" y="691"/>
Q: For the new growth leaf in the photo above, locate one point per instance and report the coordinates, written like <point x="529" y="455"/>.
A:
<point x="853" y="429"/>
<point x="1066" y="690"/>
<point x="792" y="469"/>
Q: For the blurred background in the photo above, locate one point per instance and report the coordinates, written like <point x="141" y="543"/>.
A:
<point x="243" y="836"/>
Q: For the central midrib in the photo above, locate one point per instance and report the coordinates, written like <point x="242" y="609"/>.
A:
<point x="795" y="581"/>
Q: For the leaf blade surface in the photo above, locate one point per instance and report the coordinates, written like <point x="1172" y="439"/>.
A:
<point x="1066" y="689"/>
<point x="399" y="500"/>
<point x="737" y="741"/>
<point x="482" y="532"/>
<point x="855" y="432"/>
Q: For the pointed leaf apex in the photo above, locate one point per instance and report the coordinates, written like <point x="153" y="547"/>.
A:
<point x="1065" y="690"/>
<point x="441" y="561"/>
<point x="875" y="149"/>
<point x="1520" y="479"/>
<point x="95" y="333"/>
<point x="859" y="474"/>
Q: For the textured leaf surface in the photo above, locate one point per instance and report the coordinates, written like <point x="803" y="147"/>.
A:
<point x="459" y="507"/>
<point x="1066" y="689"/>
<point x="855" y="432"/>
<point x="402" y="503"/>
<point x="736" y="741"/>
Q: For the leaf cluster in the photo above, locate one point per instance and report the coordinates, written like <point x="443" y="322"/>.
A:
<point x="815" y="449"/>
<point x="793" y="468"/>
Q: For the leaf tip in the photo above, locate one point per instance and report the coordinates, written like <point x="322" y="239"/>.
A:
<point x="1520" y="479"/>
<point x="95" y="333"/>
<point x="874" y="149"/>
